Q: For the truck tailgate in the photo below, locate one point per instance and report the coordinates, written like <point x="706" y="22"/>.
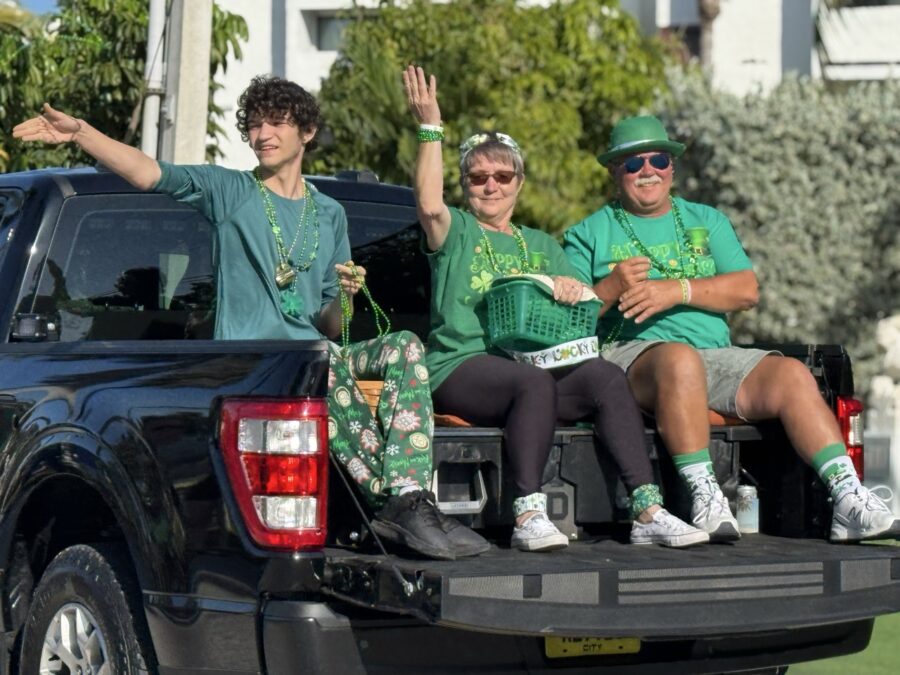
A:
<point x="609" y="589"/>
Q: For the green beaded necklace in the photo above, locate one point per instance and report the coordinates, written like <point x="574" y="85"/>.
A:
<point x="382" y="322"/>
<point x="524" y="265"/>
<point x="682" y="243"/>
<point x="286" y="270"/>
<point x="667" y="271"/>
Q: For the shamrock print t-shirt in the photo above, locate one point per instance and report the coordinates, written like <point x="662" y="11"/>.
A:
<point x="598" y="243"/>
<point x="461" y="273"/>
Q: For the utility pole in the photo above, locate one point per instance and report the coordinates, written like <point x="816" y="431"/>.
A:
<point x="153" y="75"/>
<point x="185" y="112"/>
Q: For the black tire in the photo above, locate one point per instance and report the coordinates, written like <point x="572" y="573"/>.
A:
<point x="94" y="584"/>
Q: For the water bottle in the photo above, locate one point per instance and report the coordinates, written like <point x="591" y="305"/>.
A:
<point x="747" y="509"/>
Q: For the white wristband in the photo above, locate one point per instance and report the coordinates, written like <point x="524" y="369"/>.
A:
<point x="431" y="127"/>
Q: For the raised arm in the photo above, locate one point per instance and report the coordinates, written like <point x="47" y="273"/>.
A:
<point x="421" y="94"/>
<point x="53" y="126"/>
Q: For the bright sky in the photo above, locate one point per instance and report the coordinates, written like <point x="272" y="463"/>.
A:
<point x="38" y="6"/>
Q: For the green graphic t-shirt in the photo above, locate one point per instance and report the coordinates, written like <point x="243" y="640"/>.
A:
<point x="248" y="301"/>
<point x="461" y="272"/>
<point x="598" y="242"/>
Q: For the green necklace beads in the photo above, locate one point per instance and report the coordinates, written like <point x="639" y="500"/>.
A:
<point x="382" y="321"/>
<point x="682" y="243"/>
<point x="286" y="270"/>
<point x="524" y="265"/>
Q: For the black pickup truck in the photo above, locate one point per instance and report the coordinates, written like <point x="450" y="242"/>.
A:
<point x="141" y="530"/>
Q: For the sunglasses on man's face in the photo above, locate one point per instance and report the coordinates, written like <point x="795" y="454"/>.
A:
<point x="658" y="161"/>
<point x="502" y="177"/>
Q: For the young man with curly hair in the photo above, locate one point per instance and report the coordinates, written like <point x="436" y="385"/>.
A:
<point x="282" y="254"/>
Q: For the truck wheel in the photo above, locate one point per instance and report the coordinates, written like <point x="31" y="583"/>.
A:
<point x="85" y="617"/>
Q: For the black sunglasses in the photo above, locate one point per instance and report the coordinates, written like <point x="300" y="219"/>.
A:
<point x="658" y="161"/>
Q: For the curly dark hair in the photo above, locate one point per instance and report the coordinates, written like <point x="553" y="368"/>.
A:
<point x="270" y="96"/>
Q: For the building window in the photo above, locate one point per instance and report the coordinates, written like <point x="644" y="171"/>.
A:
<point x="330" y="33"/>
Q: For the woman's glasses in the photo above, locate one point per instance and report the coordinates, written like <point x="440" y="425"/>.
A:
<point x="658" y="161"/>
<point x="502" y="177"/>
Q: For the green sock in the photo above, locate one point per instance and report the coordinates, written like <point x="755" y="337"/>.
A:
<point x="694" y="465"/>
<point x="836" y="470"/>
<point x="643" y="498"/>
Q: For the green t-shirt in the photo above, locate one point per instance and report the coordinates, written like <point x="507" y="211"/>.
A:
<point x="461" y="273"/>
<point x="598" y="242"/>
<point x="248" y="302"/>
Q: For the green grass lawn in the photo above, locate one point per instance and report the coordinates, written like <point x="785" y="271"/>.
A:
<point x="879" y="658"/>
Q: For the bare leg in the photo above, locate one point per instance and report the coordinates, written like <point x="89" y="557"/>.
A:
<point x="669" y="380"/>
<point x="783" y="388"/>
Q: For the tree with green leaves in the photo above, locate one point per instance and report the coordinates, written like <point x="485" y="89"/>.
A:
<point x="90" y="56"/>
<point x="807" y="175"/>
<point x="556" y="78"/>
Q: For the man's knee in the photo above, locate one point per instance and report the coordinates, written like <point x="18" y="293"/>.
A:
<point x="408" y="337"/>
<point x="792" y="379"/>
<point x="673" y="362"/>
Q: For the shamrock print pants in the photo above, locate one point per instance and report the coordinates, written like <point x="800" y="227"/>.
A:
<point x="392" y="451"/>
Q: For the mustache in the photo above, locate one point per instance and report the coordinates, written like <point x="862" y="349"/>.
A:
<point x="651" y="180"/>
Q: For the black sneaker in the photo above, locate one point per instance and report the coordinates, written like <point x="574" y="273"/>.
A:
<point x="411" y="520"/>
<point x="465" y="540"/>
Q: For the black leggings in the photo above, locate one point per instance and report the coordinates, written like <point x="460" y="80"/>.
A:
<point x="527" y="402"/>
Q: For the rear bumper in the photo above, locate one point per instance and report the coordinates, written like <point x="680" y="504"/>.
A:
<point x="289" y="637"/>
<point x="312" y="638"/>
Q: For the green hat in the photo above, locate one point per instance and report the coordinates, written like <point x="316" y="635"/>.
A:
<point x="634" y="135"/>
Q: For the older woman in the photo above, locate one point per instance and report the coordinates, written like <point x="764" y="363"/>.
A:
<point x="467" y="251"/>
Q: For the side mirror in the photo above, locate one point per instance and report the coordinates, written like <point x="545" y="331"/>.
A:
<point x="35" y="328"/>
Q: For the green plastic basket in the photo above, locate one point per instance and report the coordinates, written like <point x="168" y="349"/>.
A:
<point x="523" y="316"/>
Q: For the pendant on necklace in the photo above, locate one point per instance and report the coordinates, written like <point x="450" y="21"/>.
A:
<point x="291" y="304"/>
<point x="284" y="275"/>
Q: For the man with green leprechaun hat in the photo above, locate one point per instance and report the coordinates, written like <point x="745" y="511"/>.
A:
<point x="673" y="269"/>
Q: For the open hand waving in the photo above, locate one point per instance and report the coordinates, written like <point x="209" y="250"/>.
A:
<point x="421" y="95"/>
<point x="51" y="126"/>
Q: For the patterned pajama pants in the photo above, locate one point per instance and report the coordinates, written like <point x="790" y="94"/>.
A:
<point x="393" y="451"/>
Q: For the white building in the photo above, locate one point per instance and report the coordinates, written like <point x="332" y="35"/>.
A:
<point x="754" y="43"/>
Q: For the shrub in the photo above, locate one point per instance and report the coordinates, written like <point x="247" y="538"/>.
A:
<point x="809" y="178"/>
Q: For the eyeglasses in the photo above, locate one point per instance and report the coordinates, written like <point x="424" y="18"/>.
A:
<point x="502" y="177"/>
<point x="658" y="161"/>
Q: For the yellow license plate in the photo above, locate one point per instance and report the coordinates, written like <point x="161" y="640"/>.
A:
<point x="563" y="647"/>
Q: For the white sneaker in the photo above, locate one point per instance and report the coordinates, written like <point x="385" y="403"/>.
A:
<point x="861" y="514"/>
<point x="667" y="530"/>
<point x="710" y="511"/>
<point x="538" y="534"/>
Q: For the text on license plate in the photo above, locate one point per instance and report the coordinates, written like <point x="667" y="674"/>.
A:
<point x="562" y="647"/>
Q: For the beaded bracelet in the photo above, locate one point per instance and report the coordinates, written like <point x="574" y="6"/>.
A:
<point x="685" y="291"/>
<point x="429" y="133"/>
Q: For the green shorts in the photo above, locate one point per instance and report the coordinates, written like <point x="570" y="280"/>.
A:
<point x="726" y="368"/>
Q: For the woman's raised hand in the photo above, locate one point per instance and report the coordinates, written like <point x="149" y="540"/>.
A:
<point x="51" y="126"/>
<point x="421" y="95"/>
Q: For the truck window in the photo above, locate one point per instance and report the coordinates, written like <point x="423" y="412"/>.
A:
<point x="386" y="241"/>
<point x="129" y="267"/>
<point x="10" y="205"/>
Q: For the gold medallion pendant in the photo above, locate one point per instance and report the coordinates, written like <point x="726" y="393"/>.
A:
<point x="284" y="275"/>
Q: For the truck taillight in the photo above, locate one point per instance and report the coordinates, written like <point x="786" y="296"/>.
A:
<point x="276" y="456"/>
<point x="850" y="418"/>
